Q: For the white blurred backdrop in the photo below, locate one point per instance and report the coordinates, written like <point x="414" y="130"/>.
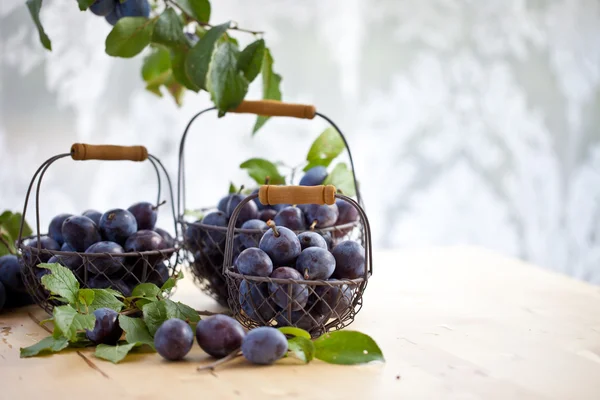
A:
<point x="471" y="122"/>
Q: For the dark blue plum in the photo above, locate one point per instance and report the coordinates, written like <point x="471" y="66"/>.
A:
<point x="174" y="339"/>
<point x="255" y="262"/>
<point x="106" y="328"/>
<point x="309" y="321"/>
<point x="73" y="262"/>
<point x="80" y="232"/>
<point x="101" y="282"/>
<point x="311" y="239"/>
<point x="2" y="296"/>
<point x="332" y="300"/>
<point x="213" y="236"/>
<point x="279" y="291"/>
<point x="267" y="214"/>
<point x="105" y="265"/>
<point x="219" y="335"/>
<point x="314" y="176"/>
<point x="260" y="206"/>
<point x="55" y="227"/>
<point x="93" y="215"/>
<point x="321" y="216"/>
<point x="281" y="244"/>
<point x="142" y="241"/>
<point x="315" y="263"/>
<point x="252" y="239"/>
<point x="349" y="259"/>
<point x="47" y="243"/>
<point x="230" y="202"/>
<point x="328" y="239"/>
<point x="145" y="215"/>
<point x="290" y="217"/>
<point x="264" y="345"/>
<point x="103" y="7"/>
<point x="279" y="207"/>
<point x="134" y="8"/>
<point x="254" y="300"/>
<point x="169" y="241"/>
<point x="117" y="225"/>
<point x="113" y="17"/>
<point x="347" y="213"/>
<point x="11" y="274"/>
<point x="160" y="275"/>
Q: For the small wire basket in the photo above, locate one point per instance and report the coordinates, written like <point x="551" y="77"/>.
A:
<point x="317" y="306"/>
<point x="119" y="271"/>
<point x="205" y="244"/>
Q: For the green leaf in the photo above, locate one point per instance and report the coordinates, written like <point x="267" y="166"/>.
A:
<point x="302" y="348"/>
<point x="169" y="284"/>
<point x="155" y="314"/>
<point x="251" y="59"/>
<point x="199" y="57"/>
<point x="232" y="188"/>
<point x="60" y="282"/>
<point x="47" y="345"/>
<point x="135" y="330"/>
<point x="292" y="330"/>
<point x="156" y="63"/>
<point x="178" y="59"/>
<point x="113" y="354"/>
<point x="105" y="298"/>
<point x="85" y="297"/>
<point x="197" y="9"/>
<point x="324" y="149"/>
<point x="11" y="223"/>
<point x="68" y="321"/>
<point x="85" y="4"/>
<point x="147" y="291"/>
<point x="181" y="311"/>
<point x="341" y="177"/>
<point x="271" y="91"/>
<point x="34" y="7"/>
<point x="347" y="348"/>
<point x="198" y="214"/>
<point x="226" y="83"/>
<point x="168" y="30"/>
<point x="259" y="169"/>
<point x="129" y="36"/>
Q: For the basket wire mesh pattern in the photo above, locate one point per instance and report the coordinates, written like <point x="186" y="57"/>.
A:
<point x="317" y="306"/>
<point x="204" y="245"/>
<point x="119" y="271"/>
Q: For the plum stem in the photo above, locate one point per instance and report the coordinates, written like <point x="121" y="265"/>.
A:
<point x="241" y="188"/>
<point x="162" y="203"/>
<point x="306" y="275"/>
<point x="313" y="225"/>
<point x="271" y="225"/>
<point x="234" y="354"/>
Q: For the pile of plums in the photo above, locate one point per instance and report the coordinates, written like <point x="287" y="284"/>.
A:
<point x="97" y="242"/>
<point x="114" y="10"/>
<point x="283" y="254"/>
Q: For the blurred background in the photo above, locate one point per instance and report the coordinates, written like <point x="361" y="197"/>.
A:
<point x="471" y="123"/>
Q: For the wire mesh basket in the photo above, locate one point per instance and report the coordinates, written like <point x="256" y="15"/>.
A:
<point x="285" y="297"/>
<point x="120" y="270"/>
<point x="204" y="244"/>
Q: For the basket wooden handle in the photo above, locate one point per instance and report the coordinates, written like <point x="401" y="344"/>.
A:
<point x="271" y="194"/>
<point x="272" y="108"/>
<point x="83" y="151"/>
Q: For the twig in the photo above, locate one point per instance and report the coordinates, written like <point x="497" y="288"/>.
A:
<point x="212" y="366"/>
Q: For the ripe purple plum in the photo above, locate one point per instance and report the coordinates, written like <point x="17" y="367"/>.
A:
<point x="321" y="216"/>
<point x="169" y="241"/>
<point x="46" y="243"/>
<point x="219" y="335"/>
<point x="230" y="202"/>
<point x="117" y="225"/>
<point x="333" y="300"/>
<point x="174" y="339"/>
<point x="252" y="239"/>
<point x="104" y="265"/>
<point x="264" y="345"/>
<point x="255" y="301"/>
<point x="267" y="214"/>
<point x="103" y="7"/>
<point x="55" y="227"/>
<point x="279" y="291"/>
<point x="311" y="239"/>
<point x="93" y="215"/>
<point x="255" y="262"/>
<point x="315" y="263"/>
<point x="290" y="217"/>
<point x="349" y="260"/>
<point x="106" y="328"/>
<point x="314" y="176"/>
<point x="281" y="244"/>
<point x="145" y="215"/>
<point x="347" y="213"/>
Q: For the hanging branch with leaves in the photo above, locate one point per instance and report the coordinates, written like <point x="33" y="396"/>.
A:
<point x="183" y="50"/>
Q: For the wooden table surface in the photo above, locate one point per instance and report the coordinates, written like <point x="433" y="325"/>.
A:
<point x="458" y="323"/>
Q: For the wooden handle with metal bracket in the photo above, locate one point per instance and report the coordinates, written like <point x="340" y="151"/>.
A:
<point x="272" y="108"/>
<point x="83" y="151"/>
<point x="271" y="194"/>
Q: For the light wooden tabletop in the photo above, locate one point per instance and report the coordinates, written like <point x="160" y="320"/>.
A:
<point x="457" y="323"/>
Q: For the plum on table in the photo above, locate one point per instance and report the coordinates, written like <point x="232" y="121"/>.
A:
<point x="264" y="345"/>
<point x="106" y="327"/>
<point x="219" y="335"/>
<point x="174" y="339"/>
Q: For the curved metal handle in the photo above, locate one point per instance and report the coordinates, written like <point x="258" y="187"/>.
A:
<point x="273" y="108"/>
<point x="84" y="151"/>
<point x="271" y="194"/>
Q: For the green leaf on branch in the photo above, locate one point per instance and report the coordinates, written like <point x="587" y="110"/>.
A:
<point x="156" y="63"/>
<point x="292" y="330"/>
<point x="104" y="298"/>
<point x="147" y="291"/>
<point x="129" y="36"/>
<point x="168" y="30"/>
<point x="341" y="177"/>
<point x="60" y="282"/>
<point x="347" y="348"/>
<point x="47" y="345"/>
<point x="251" y="59"/>
<point x="271" y="91"/>
<point x="135" y="330"/>
<point x="68" y="321"/>
<point x="34" y="7"/>
<point x="85" y="297"/>
<point x="226" y="83"/>
<point x="113" y="354"/>
<point x="199" y="57"/>
<point x="325" y="149"/>
<point x="10" y="223"/>
<point x="181" y="311"/>
<point x="178" y="60"/>
<point x="259" y="169"/>
<point x="197" y="9"/>
<point x="302" y="348"/>
<point x="155" y="314"/>
<point x="85" y="4"/>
